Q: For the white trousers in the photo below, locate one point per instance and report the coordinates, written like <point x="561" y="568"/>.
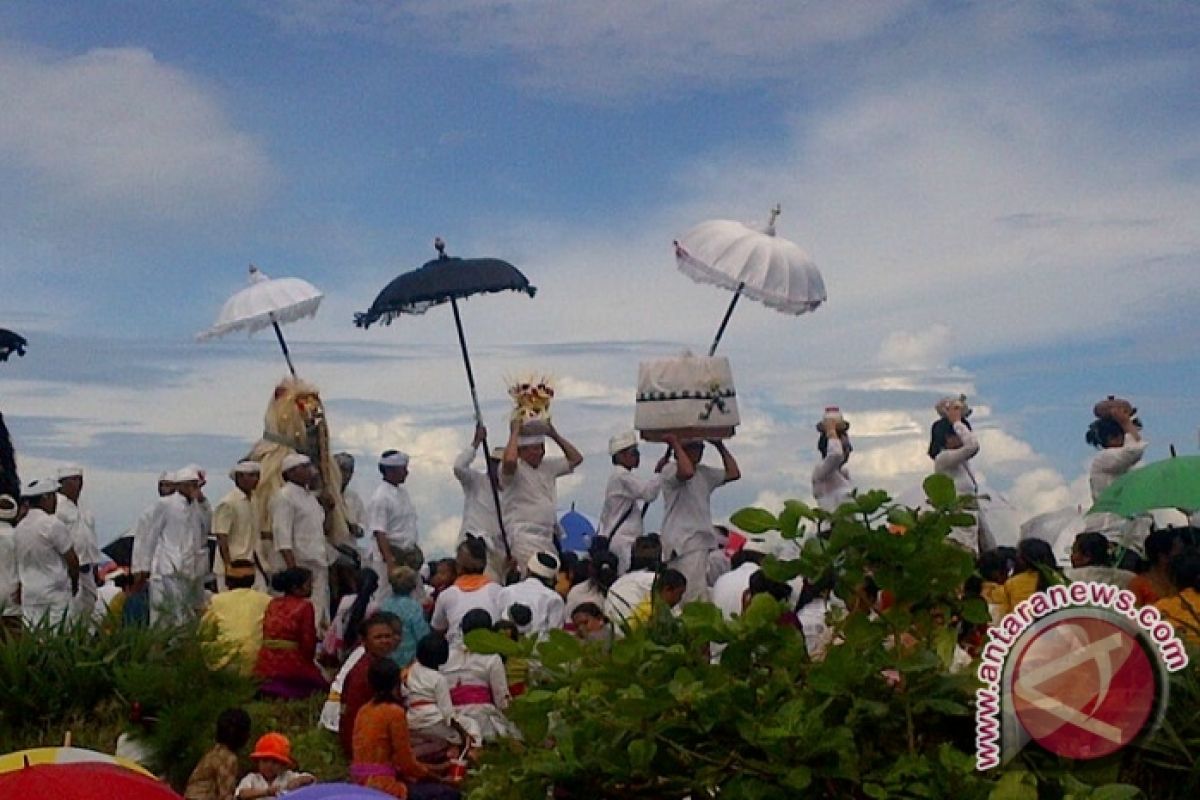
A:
<point x="174" y="598"/>
<point x="693" y="564"/>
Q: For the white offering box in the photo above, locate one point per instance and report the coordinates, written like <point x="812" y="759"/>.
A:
<point x="690" y="396"/>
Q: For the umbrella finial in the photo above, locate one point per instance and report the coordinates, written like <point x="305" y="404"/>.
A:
<point x="774" y="215"/>
<point x="439" y="244"/>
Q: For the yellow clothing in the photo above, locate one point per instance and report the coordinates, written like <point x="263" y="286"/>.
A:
<point x="1183" y="611"/>
<point x="993" y="593"/>
<point x="238" y="617"/>
<point x="1018" y="588"/>
<point x="235" y="517"/>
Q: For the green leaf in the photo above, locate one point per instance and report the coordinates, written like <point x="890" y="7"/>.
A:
<point x="975" y="609"/>
<point x="798" y="778"/>
<point x="941" y="491"/>
<point x="755" y="520"/>
<point x="558" y="648"/>
<point x="487" y="642"/>
<point x="641" y="754"/>
<point x="783" y="571"/>
<point x="1116" y="791"/>
<point x="1015" y="785"/>
<point x="902" y="517"/>
<point x="789" y="522"/>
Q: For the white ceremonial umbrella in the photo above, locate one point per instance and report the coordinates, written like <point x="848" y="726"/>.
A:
<point x="751" y="261"/>
<point x="266" y="302"/>
<point x="1058" y="529"/>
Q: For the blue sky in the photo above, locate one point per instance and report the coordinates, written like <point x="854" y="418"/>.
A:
<point x="1001" y="197"/>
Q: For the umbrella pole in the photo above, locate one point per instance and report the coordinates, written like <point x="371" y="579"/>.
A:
<point x="462" y="343"/>
<point x="283" y="345"/>
<point x="728" y="313"/>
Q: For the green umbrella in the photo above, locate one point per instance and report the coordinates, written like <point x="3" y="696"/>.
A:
<point x="1170" y="483"/>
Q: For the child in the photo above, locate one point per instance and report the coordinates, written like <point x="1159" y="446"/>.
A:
<point x="215" y="777"/>
<point x="432" y="725"/>
<point x="273" y="774"/>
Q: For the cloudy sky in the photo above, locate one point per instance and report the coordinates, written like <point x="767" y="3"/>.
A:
<point x="1002" y="198"/>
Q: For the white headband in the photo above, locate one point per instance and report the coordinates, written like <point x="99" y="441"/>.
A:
<point x="531" y="441"/>
<point x="396" y="459"/>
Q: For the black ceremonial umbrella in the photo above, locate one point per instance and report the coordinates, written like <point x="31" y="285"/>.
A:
<point x="11" y="342"/>
<point x="442" y="280"/>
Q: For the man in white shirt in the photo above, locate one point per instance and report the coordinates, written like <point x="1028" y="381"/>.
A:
<point x="298" y="528"/>
<point x="831" y="483"/>
<point x="83" y="539"/>
<point x="1118" y="436"/>
<point x="235" y="523"/>
<point x="166" y="552"/>
<point x="631" y="589"/>
<point x="392" y="519"/>
<point x="479" y="516"/>
<point x="536" y="592"/>
<point x="472" y="589"/>
<point x="530" y="498"/>
<point x="10" y="582"/>
<point x="687" y="526"/>
<point x="952" y="445"/>
<point x="356" y="509"/>
<point x="729" y="589"/>
<point x="47" y="566"/>
<point x="625" y="497"/>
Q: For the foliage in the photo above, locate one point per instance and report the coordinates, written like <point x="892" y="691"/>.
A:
<point x="656" y="716"/>
<point x="882" y="715"/>
<point x="55" y="679"/>
<point x="315" y="749"/>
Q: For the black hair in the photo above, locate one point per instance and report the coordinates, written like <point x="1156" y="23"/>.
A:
<point x="1095" y="547"/>
<point x="942" y="430"/>
<point x="433" y="650"/>
<point x="603" y="570"/>
<point x="476" y="619"/>
<point x="508" y="628"/>
<point x="811" y="590"/>
<point x="233" y="728"/>
<point x="10" y="482"/>
<point x="475" y="551"/>
<point x="520" y="614"/>
<point x="761" y="584"/>
<point x="1039" y="557"/>
<point x="381" y="618"/>
<point x="368" y="582"/>
<point x="670" y="579"/>
<point x="744" y="556"/>
<point x="823" y="444"/>
<point x="1185" y="570"/>
<point x="1105" y="428"/>
<point x="1160" y="542"/>
<point x="591" y="609"/>
<point x="238" y="582"/>
<point x="992" y="562"/>
<point x="646" y="553"/>
<point x="290" y="579"/>
<point x="382" y="676"/>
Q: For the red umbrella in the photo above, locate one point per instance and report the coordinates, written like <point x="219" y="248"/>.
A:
<point x="82" y="782"/>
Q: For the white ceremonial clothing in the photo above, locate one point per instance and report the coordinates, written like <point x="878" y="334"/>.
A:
<point x="627" y="593"/>
<point x="255" y="782"/>
<point x="476" y="671"/>
<point x="1113" y="462"/>
<point x="427" y="695"/>
<point x="168" y="548"/>
<point x="356" y="514"/>
<point x="9" y="580"/>
<point x="955" y="464"/>
<point x="718" y="565"/>
<point x="547" y="606"/>
<point x="729" y="589"/>
<point x="687" y="527"/>
<point x="391" y="512"/>
<point x="453" y="603"/>
<point x="479" y="512"/>
<point x="831" y="483"/>
<point x="236" y="517"/>
<point x="83" y="539"/>
<point x="585" y="592"/>
<point x="530" y="503"/>
<point x="298" y="524"/>
<point x="41" y="541"/>
<point x="813" y="617"/>
<point x="621" y="514"/>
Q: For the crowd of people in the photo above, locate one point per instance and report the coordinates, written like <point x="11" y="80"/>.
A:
<point x="383" y="632"/>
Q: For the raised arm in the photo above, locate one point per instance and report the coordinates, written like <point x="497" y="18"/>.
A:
<point x="835" y="457"/>
<point x="508" y="464"/>
<point x="728" y="462"/>
<point x="462" y="464"/>
<point x="685" y="468"/>
<point x="574" y="457"/>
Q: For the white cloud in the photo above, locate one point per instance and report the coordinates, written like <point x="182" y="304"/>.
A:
<point x="931" y="347"/>
<point x="116" y="133"/>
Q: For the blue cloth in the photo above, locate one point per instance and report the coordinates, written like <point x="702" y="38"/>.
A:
<point x="416" y="627"/>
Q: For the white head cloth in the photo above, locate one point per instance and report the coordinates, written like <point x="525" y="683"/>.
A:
<point x="40" y="487"/>
<point x="293" y="460"/>
<point x="543" y="565"/>
<point x="622" y="441"/>
<point x="187" y="475"/>
<point x="396" y="459"/>
<point x="246" y="468"/>
<point x="532" y="440"/>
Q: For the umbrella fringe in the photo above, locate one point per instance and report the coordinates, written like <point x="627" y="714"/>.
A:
<point x="303" y="310"/>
